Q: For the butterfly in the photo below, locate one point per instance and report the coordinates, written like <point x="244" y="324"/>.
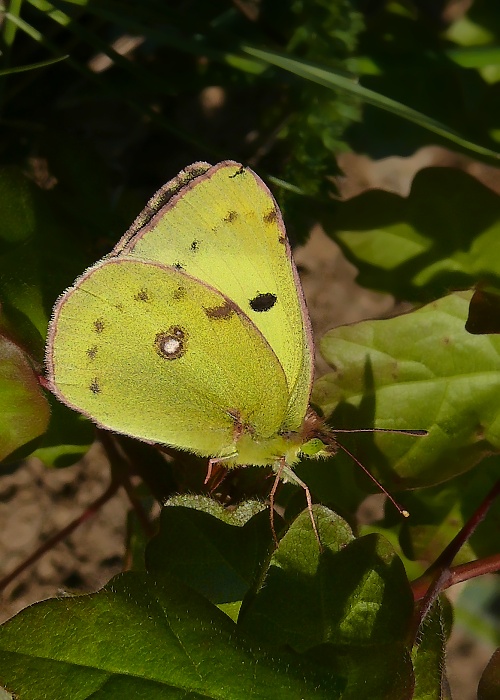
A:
<point x="193" y="332"/>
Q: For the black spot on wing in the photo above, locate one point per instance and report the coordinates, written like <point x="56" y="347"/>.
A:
<point x="225" y="311"/>
<point x="179" y="293"/>
<point x="271" y="216"/>
<point x="98" y="325"/>
<point x="92" y="352"/>
<point x="178" y="266"/>
<point x="231" y="217"/>
<point x="263" y="302"/>
<point x="94" y="386"/>
<point x="143" y="295"/>
<point x="240" y="171"/>
<point x="195" y="245"/>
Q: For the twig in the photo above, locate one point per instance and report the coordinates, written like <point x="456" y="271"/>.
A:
<point x="62" y="534"/>
<point x="440" y="575"/>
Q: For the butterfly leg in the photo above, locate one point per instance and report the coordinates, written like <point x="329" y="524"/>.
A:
<point x="211" y="463"/>
<point x="214" y="461"/>
<point x="284" y="470"/>
<point x="272" y="494"/>
<point x="309" y="508"/>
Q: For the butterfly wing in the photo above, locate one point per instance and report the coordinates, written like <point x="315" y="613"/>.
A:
<point x="148" y="351"/>
<point x="222" y="225"/>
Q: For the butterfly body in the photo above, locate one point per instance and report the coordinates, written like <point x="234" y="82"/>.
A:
<point x="193" y="331"/>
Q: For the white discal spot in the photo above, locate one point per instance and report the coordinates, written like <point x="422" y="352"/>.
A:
<point x="171" y="346"/>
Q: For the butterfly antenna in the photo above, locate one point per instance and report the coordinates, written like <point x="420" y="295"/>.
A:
<point x="401" y="510"/>
<point x="381" y="430"/>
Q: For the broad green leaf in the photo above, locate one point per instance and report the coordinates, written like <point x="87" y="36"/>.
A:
<point x="337" y="80"/>
<point x="346" y="606"/>
<point x="229" y="550"/>
<point x="144" y="636"/>
<point x="439" y="512"/>
<point x="435" y="518"/>
<point x="334" y="482"/>
<point x="445" y="234"/>
<point x="489" y="685"/>
<point x="475" y="56"/>
<point x="23" y="407"/>
<point x="428" y="656"/>
<point x="421" y="370"/>
<point x="333" y="596"/>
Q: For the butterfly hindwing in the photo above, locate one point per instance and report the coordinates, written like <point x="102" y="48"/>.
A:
<point x="147" y="350"/>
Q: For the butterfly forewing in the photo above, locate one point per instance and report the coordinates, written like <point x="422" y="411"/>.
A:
<point x="225" y="228"/>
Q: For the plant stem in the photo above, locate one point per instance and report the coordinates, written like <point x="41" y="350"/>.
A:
<point x="62" y="534"/>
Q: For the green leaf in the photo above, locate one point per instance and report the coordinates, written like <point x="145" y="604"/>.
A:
<point x="145" y="636"/>
<point x="346" y="606"/>
<point x="41" y="254"/>
<point x="435" y="518"/>
<point x="23" y="407"/>
<point x="439" y="512"/>
<point x="334" y="596"/>
<point x="421" y="370"/>
<point x="32" y="66"/>
<point x="230" y="548"/>
<point x="490" y="680"/>
<point x="428" y="656"/>
<point x="445" y="234"/>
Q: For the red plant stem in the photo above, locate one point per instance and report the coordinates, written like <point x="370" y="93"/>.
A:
<point x="142" y="516"/>
<point x="120" y="468"/>
<point x="464" y="572"/>
<point x="440" y="575"/>
<point x="457" y="574"/>
<point x="450" y="552"/>
<point x="62" y="534"/>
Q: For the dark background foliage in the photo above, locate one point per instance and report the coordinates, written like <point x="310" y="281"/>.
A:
<point x="378" y="121"/>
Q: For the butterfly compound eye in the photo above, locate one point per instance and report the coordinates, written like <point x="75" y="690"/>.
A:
<point x="171" y="344"/>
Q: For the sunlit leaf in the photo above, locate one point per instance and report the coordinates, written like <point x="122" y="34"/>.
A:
<point x="444" y="235"/>
<point x="421" y="370"/>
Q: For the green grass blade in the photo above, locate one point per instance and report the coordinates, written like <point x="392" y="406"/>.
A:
<point x="338" y="81"/>
<point x="33" y="66"/>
